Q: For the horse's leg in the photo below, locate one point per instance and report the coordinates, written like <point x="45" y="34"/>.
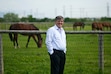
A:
<point x="83" y="27"/>
<point x="73" y="27"/>
<point x="14" y="43"/>
<point x="107" y="27"/>
<point x="28" y="41"/>
<point x="76" y="27"/>
<point x="34" y="39"/>
<point x="16" y="39"/>
<point x="80" y="27"/>
<point x="110" y="27"/>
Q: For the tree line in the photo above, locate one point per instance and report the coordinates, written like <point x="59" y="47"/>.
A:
<point x="12" y="17"/>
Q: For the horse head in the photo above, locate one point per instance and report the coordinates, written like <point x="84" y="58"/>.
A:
<point x="39" y="43"/>
<point x="40" y="40"/>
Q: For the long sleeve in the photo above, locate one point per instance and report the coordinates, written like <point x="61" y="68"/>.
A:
<point x="49" y="37"/>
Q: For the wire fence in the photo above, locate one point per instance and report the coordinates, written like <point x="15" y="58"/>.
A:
<point x="100" y="37"/>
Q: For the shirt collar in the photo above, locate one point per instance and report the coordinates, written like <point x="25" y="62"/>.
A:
<point x="57" y="27"/>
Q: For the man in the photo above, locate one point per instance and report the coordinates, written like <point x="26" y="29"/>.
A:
<point x="56" y="45"/>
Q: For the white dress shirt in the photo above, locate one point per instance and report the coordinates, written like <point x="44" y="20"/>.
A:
<point x="55" y="39"/>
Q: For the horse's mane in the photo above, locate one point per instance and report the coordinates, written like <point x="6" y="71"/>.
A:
<point x="35" y="26"/>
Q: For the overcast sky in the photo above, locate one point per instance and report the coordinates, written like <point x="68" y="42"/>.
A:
<point x="51" y="8"/>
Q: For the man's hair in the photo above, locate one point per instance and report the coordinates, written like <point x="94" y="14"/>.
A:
<point x="58" y="18"/>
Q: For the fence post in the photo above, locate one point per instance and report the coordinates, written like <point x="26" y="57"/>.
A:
<point x="1" y="57"/>
<point x="101" y="54"/>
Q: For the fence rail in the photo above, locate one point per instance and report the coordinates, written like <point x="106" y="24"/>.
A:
<point x="44" y="32"/>
<point x="100" y="43"/>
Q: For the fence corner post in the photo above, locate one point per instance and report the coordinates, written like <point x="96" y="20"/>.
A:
<point x="1" y="57"/>
<point x="101" y="54"/>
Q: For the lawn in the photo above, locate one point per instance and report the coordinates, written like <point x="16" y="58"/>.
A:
<point x="82" y="55"/>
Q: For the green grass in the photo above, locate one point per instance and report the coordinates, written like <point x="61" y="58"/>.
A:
<point x="82" y="54"/>
<point x="31" y="60"/>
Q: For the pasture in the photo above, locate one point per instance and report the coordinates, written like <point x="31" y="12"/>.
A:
<point x="82" y="54"/>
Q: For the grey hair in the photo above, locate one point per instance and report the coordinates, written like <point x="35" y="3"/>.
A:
<point x="58" y="18"/>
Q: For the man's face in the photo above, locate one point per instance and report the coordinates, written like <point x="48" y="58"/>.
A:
<point x="59" y="23"/>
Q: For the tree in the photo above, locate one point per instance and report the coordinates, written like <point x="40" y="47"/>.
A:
<point x="1" y="20"/>
<point x="24" y="19"/>
<point x="31" y="19"/>
<point x="11" y="17"/>
<point x="105" y="19"/>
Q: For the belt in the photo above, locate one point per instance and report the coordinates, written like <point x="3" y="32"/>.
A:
<point x="58" y="50"/>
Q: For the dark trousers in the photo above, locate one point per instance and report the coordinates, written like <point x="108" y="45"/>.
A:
<point x="58" y="59"/>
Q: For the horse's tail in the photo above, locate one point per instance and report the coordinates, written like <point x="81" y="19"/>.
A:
<point x="10" y="35"/>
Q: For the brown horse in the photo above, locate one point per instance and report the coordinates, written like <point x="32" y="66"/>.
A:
<point x="80" y="24"/>
<point x="24" y="26"/>
<point x="97" y="26"/>
<point x="106" y="25"/>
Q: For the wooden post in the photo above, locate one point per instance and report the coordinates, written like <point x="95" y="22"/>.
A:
<point x="101" y="54"/>
<point x="1" y="57"/>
